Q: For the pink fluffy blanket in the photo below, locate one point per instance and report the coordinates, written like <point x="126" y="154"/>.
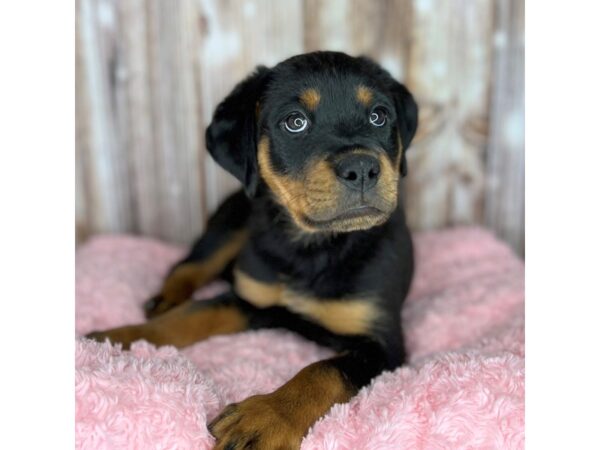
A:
<point x="463" y="386"/>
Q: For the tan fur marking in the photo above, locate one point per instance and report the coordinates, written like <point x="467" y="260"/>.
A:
<point x="342" y="316"/>
<point x="318" y="192"/>
<point x="290" y="193"/>
<point x="399" y="155"/>
<point x="181" y="326"/>
<point x="364" y="95"/>
<point x="186" y="278"/>
<point x="388" y="180"/>
<point x="258" y="293"/>
<point x="400" y="151"/>
<point x="310" y="98"/>
<point x="279" y="420"/>
<point x="387" y="186"/>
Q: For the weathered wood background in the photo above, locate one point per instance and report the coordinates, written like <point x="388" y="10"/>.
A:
<point x="150" y="72"/>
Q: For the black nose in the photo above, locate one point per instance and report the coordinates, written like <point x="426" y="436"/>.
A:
<point x="358" y="172"/>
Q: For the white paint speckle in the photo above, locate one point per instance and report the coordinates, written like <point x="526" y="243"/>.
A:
<point x="424" y="6"/>
<point x="439" y="69"/>
<point x="106" y="14"/>
<point x="514" y="128"/>
<point x="249" y="9"/>
<point x="121" y="73"/>
<point x="393" y="66"/>
<point x="175" y="189"/>
<point x="500" y="39"/>
<point x="493" y="181"/>
<point x="220" y="45"/>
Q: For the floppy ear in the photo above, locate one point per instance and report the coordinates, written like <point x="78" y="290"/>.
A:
<point x="408" y="117"/>
<point x="231" y="136"/>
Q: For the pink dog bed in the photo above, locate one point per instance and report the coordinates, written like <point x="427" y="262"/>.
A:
<point x="463" y="387"/>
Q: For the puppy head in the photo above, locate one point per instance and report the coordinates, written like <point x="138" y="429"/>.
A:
<point x="325" y="133"/>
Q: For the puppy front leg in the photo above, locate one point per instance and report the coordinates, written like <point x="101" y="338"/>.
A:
<point x="185" y="324"/>
<point x="280" y="420"/>
<point x="211" y="254"/>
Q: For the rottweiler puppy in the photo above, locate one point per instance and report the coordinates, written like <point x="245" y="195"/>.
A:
<point x="316" y="242"/>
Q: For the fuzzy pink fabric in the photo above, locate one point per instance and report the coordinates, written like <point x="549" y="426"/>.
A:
<point x="463" y="387"/>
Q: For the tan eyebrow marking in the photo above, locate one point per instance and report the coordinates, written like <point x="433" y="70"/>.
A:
<point x="310" y="98"/>
<point x="364" y="95"/>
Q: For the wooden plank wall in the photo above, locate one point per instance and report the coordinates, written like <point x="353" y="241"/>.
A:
<point x="149" y="74"/>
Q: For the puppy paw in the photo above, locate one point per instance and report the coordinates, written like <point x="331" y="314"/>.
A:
<point x="259" y="422"/>
<point x="124" y="336"/>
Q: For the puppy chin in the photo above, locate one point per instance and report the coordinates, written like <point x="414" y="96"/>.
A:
<point x="353" y="219"/>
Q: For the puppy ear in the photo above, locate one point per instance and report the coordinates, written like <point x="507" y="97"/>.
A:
<point x="408" y="117"/>
<point x="232" y="135"/>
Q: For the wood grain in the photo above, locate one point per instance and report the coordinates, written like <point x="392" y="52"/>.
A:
<point x="149" y="74"/>
<point x="104" y="179"/>
<point x="449" y="71"/>
<point x="237" y="36"/>
<point x="505" y="158"/>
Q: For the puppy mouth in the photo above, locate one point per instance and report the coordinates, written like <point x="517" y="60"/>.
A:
<point x="360" y="217"/>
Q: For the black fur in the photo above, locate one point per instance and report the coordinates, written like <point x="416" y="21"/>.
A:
<point x="231" y="137"/>
<point x="377" y="260"/>
<point x="370" y="260"/>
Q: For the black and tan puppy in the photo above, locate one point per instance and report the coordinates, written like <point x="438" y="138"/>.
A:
<point x="316" y="243"/>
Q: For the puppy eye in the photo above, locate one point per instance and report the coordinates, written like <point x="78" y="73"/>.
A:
<point x="378" y="117"/>
<point x="295" y="122"/>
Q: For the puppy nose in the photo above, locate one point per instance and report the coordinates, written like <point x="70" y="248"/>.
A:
<point x="358" y="172"/>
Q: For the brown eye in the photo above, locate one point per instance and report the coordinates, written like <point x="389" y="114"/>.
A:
<point x="378" y="117"/>
<point x="295" y="122"/>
